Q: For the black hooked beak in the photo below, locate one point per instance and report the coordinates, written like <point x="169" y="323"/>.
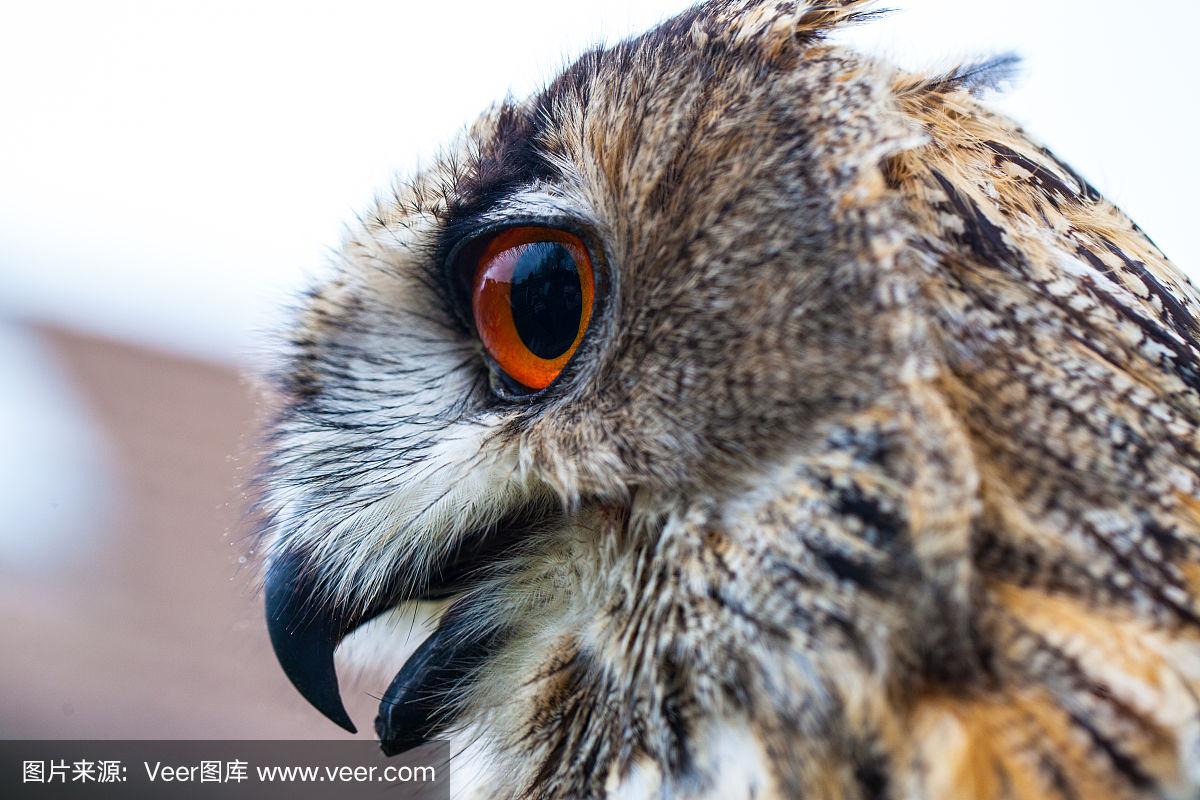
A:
<point x="305" y="632"/>
<point x="420" y="698"/>
<point x="306" y="628"/>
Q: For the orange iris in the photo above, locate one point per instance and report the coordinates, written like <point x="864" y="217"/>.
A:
<point x="532" y="298"/>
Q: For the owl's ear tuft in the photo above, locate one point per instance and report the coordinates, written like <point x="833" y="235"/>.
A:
<point x="977" y="77"/>
<point x="787" y="28"/>
<point x="820" y="17"/>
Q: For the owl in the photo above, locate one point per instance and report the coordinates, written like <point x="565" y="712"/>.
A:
<point x="766" y="421"/>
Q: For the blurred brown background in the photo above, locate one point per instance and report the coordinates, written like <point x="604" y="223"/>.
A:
<point x="128" y="606"/>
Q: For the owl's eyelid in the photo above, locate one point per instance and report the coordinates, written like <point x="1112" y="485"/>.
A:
<point x="509" y="390"/>
<point x="489" y="225"/>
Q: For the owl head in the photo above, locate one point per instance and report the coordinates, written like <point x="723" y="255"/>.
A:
<point x="709" y="389"/>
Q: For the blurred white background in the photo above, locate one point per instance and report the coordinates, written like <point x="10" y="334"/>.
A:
<point x="169" y="170"/>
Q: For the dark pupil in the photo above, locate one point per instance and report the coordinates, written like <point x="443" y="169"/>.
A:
<point x="547" y="302"/>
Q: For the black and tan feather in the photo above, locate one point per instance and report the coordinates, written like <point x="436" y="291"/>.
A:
<point x="876" y="475"/>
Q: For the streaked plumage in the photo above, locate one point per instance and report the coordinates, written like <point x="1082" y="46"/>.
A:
<point x="874" y="476"/>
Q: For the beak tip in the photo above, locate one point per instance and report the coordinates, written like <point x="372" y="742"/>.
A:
<point x="318" y="685"/>
<point x="393" y="739"/>
<point x="330" y="706"/>
<point x="304" y="641"/>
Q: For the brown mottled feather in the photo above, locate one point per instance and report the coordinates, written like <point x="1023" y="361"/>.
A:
<point x="877" y="475"/>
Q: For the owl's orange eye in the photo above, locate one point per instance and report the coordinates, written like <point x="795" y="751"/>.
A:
<point x="532" y="297"/>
